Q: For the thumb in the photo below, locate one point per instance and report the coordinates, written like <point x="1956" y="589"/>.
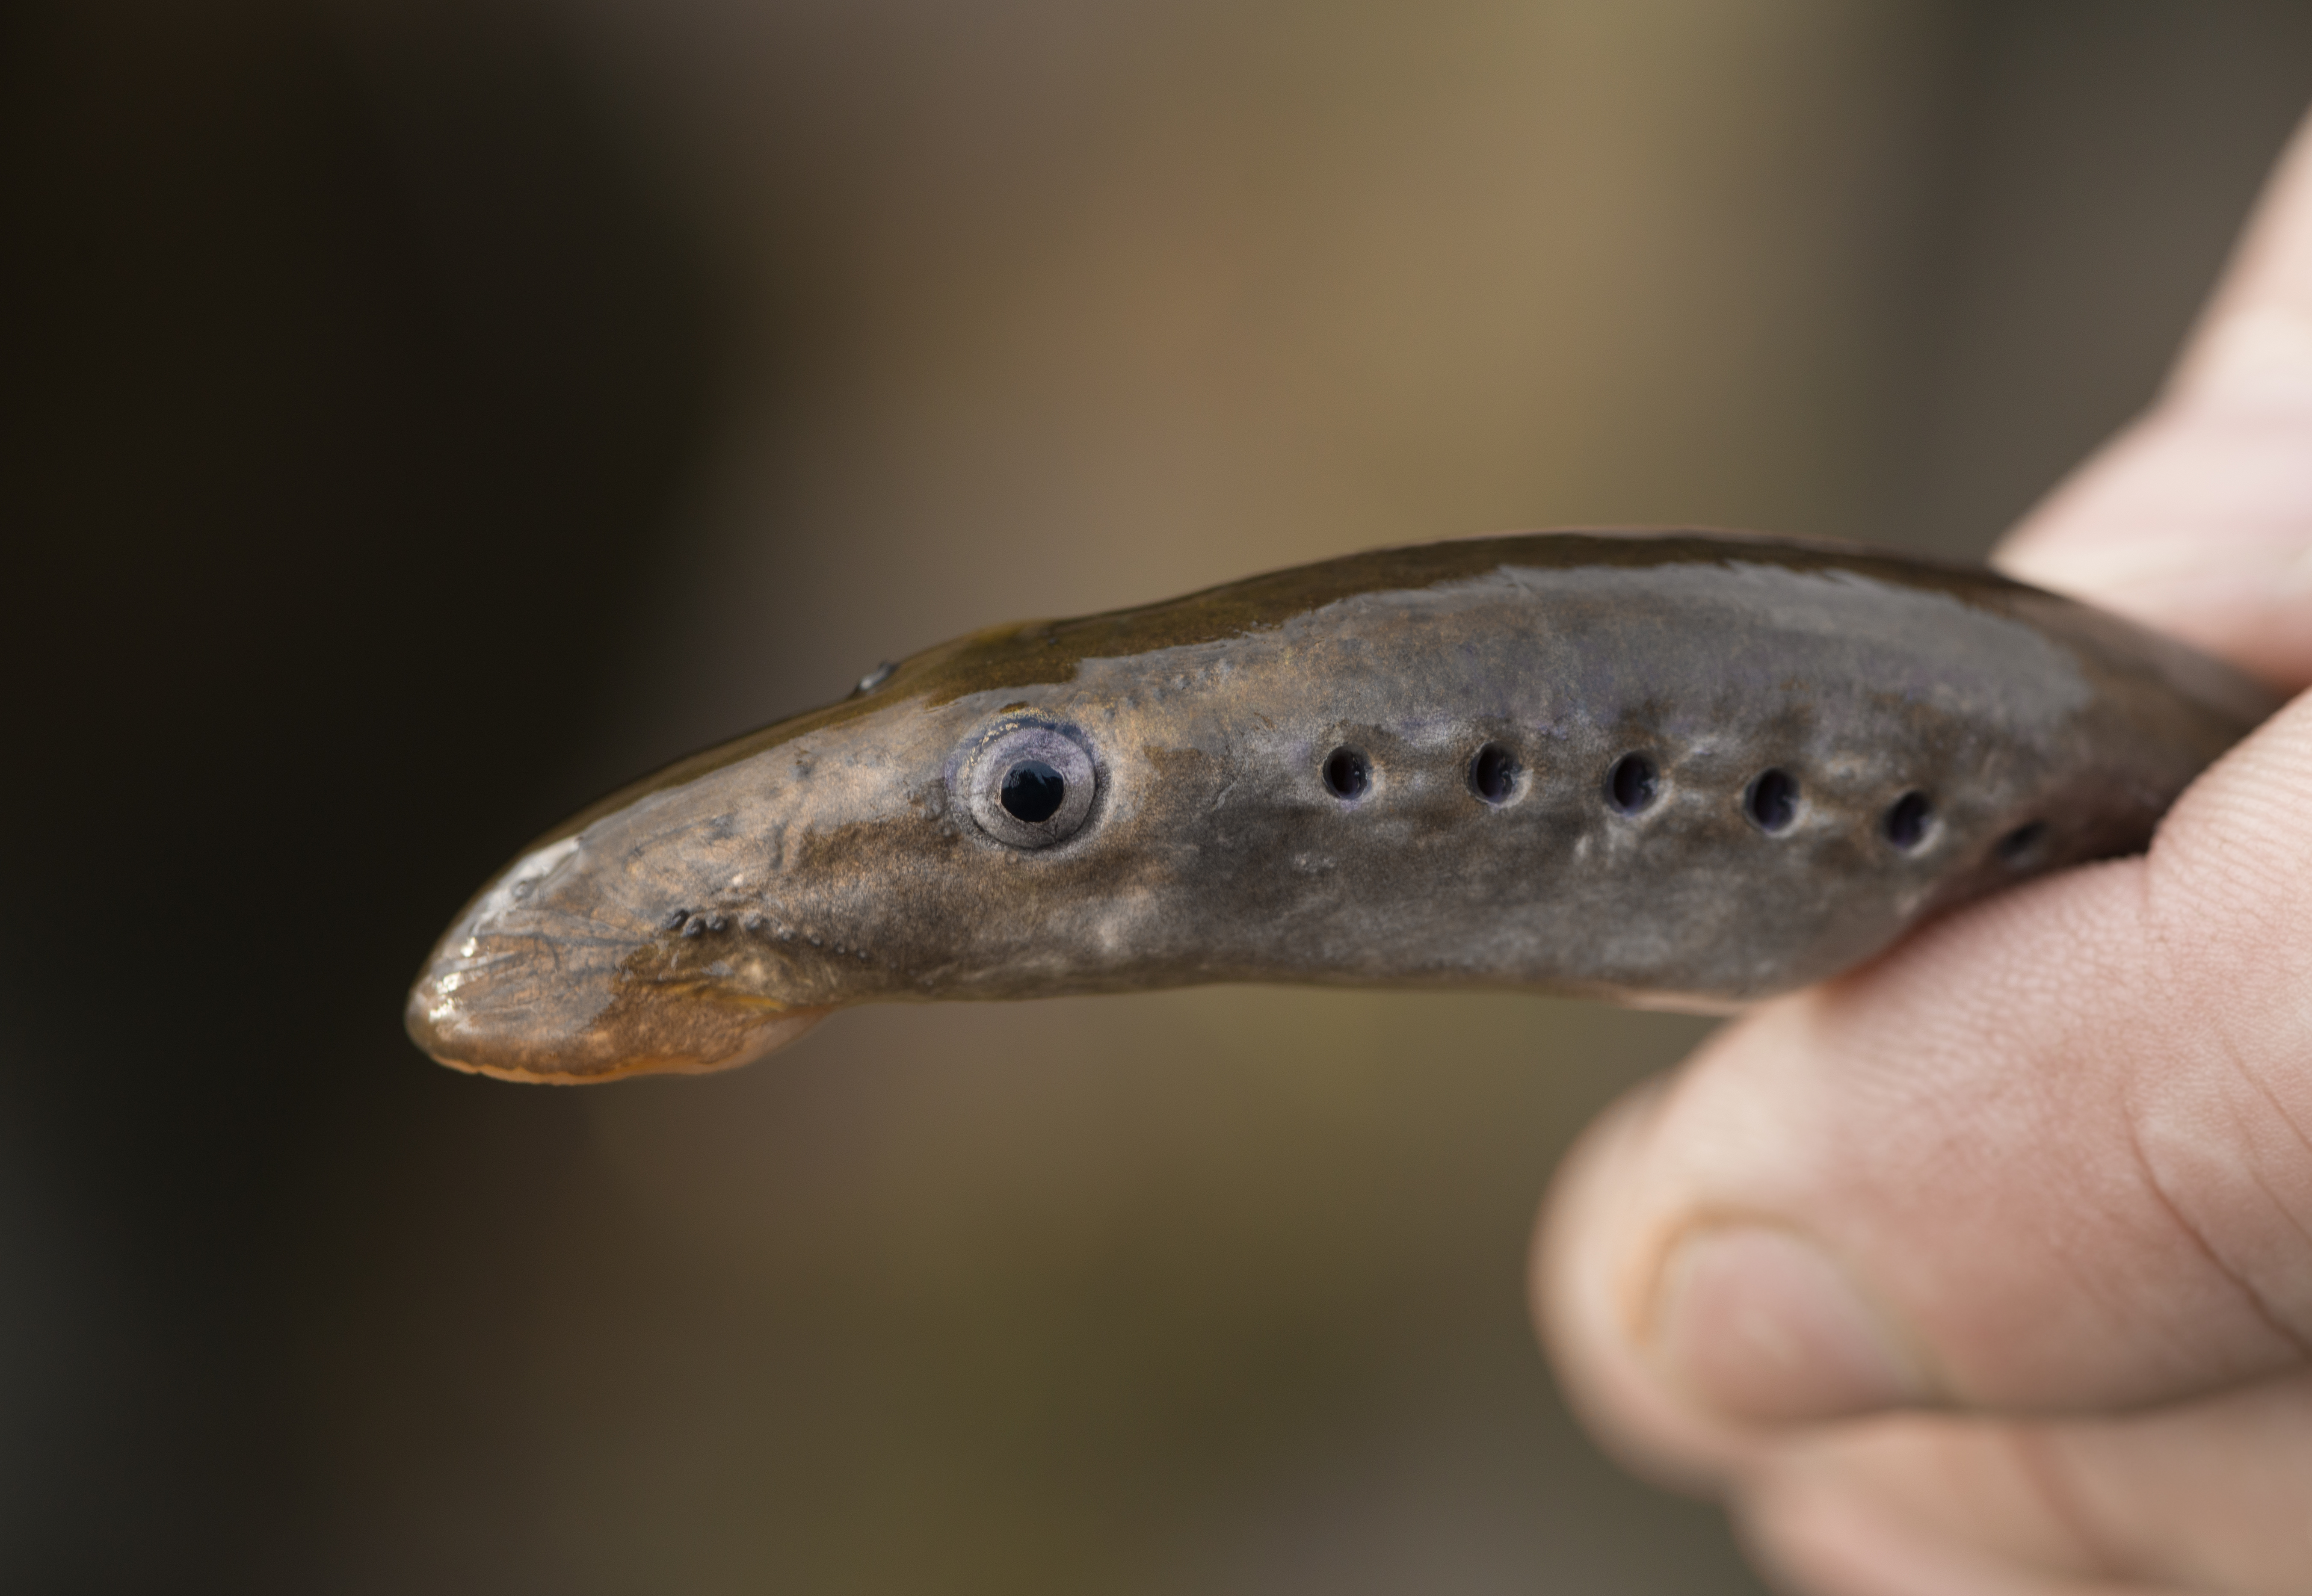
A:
<point x="2197" y="520"/>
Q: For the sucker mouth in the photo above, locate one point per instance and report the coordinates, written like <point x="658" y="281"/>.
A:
<point x="610" y="1058"/>
<point x="549" y="976"/>
<point x="524" y="1008"/>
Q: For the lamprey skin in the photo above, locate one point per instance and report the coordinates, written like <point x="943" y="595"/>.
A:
<point x="1680" y="769"/>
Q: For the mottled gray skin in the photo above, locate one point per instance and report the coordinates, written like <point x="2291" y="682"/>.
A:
<point x="709" y="913"/>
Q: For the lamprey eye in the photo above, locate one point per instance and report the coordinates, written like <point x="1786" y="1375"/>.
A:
<point x="1030" y="786"/>
<point x="1347" y="775"/>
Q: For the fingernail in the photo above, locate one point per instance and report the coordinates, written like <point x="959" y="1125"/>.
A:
<point x="1758" y="1323"/>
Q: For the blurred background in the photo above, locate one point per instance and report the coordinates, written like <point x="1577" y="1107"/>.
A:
<point x="422" y="416"/>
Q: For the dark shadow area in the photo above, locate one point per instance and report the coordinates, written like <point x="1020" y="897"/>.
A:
<point x="340" y="408"/>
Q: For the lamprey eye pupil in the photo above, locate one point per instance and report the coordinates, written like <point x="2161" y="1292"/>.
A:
<point x="2025" y="848"/>
<point x="1033" y="791"/>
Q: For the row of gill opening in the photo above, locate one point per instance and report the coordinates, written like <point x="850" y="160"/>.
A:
<point x="1633" y="782"/>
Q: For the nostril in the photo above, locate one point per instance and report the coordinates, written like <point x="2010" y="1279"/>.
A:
<point x="1033" y="791"/>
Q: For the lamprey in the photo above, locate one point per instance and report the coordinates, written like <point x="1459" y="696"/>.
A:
<point x="1680" y="769"/>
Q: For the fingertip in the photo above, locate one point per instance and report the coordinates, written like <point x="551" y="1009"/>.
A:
<point x="1582" y="1326"/>
<point x="1829" y="1518"/>
<point x="1683" y="1340"/>
<point x="1586" y="1312"/>
<point x="2256" y="336"/>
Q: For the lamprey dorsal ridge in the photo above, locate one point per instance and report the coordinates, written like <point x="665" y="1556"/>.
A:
<point x="1675" y="769"/>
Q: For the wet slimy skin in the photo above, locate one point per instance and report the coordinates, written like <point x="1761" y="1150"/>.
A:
<point x="1675" y="769"/>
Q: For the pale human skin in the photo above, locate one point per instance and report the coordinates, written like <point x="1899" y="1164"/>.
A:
<point x="1988" y="1269"/>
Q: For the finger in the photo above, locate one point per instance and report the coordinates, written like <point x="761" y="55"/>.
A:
<point x="1649" y="1426"/>
<point x="2210" y="1496"/>
<point x="2052" y="1154"/>
<point x="2197" y="520"/>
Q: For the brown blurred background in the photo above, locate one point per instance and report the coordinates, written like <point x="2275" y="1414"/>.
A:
<point x="422" y="417"/>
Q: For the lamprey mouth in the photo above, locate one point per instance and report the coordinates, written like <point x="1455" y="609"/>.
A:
<point x="555" y="975"/>
<point x="673" y="1033"/>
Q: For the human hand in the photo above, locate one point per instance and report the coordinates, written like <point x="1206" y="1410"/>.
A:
<point x="1988" y="1269"/>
